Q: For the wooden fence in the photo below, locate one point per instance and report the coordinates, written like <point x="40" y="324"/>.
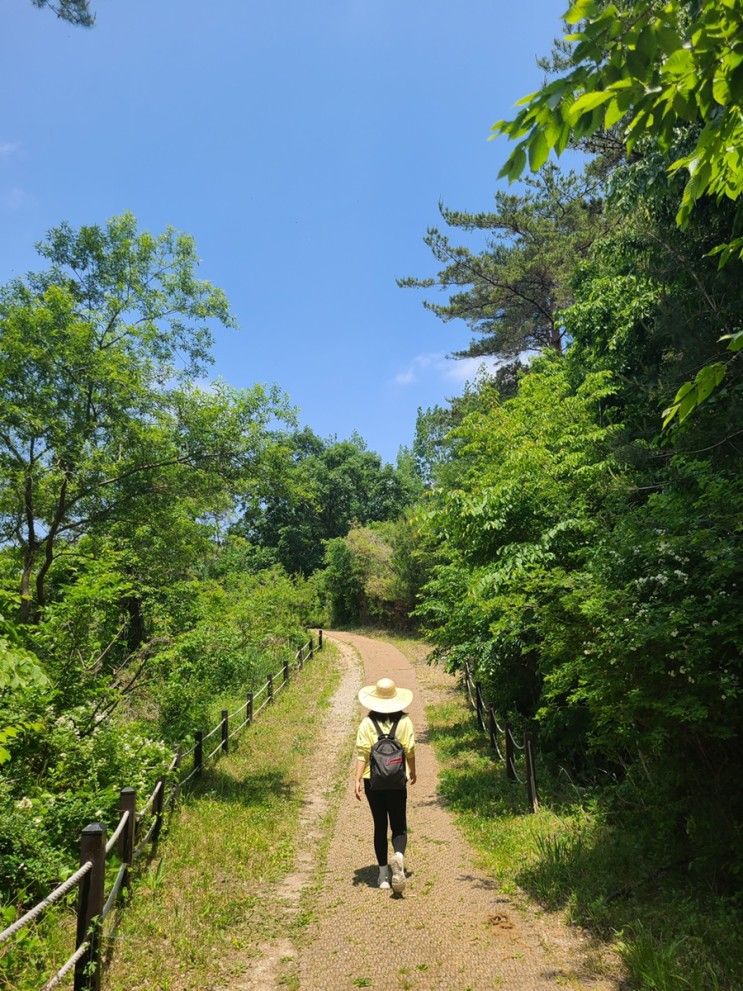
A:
<point x="506" y="747"/>
<point x="137" y="832"/>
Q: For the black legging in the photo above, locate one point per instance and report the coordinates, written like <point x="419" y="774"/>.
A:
<point x="386" y="805"/>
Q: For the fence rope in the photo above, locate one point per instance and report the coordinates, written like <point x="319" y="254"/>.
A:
<point x="261" y="707"/>
<point x="51" y="898"/>
<point x="212" y="731"/>
<point x="189" y="776"/>
<point x="240" y="708"/>
<point x="145" y="808"/>
<point x="114" y="892"/>
<point x="216" y="750"/>
<point x="518" y="746"/>
<point x="238" y="728"/>
<point x="117" y="832"/>
<point x="494" y="736"/>
<point x="56" y="979"/>
<point x="468" y="685"/>
<point x="145" y="839"/>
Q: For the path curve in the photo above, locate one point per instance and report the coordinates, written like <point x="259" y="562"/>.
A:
<point x="453" y="930"/>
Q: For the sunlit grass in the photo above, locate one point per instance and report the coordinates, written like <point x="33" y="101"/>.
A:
<point x="572" y="856"/>
<point x="199" y="911"/>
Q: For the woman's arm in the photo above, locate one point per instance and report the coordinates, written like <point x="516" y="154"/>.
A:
<point x="360" y="765"/>
<point x="411" y="767"/>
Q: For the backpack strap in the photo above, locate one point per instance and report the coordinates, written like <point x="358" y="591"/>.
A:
<point x="378" y="728"/>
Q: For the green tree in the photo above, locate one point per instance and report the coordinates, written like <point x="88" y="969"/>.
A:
<point x="97" y="355"/>
<point x="510" y="294"/>
<point x="663" y="77"/>
<point x="325" y="487"/>
<point x="74" y="11"/>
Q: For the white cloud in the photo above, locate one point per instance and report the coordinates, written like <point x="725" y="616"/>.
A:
<point x="405" y="378"/>
<point x="15" y="198"/>
<point x="464" y="369"/>
<point x="458" y="370"/>
<point x="8" y="148"/>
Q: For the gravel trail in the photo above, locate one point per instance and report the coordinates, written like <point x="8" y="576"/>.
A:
<point x="453" y="930"/>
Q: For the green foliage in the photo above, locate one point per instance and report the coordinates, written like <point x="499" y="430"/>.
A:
<point x="661" y="78"/>
<point x="140" y="613"/>
<point x="74" y="11"/>
<point x="648" y="70"/>
<point x="238" y="630"/>
<point x="91" y="430"/>
<point x="21" y="677"/>
<point x="323" y="488"/>
<point x="374" y="573"/>
<point x="605" y="614"/>
<point x="511" y="292"/>
<point x="604" y="855"/>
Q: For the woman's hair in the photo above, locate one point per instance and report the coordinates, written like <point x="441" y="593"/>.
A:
<point x="381" y="716"/>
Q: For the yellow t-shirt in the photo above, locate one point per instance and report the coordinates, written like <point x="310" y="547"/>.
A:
<point x="367" y="736"/>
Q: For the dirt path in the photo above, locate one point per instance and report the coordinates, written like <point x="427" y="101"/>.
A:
<point x="275" y="966"/>
<point x="453" y="930"/>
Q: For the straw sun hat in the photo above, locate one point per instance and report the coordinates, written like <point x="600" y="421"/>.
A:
<point x="385" y="696"/>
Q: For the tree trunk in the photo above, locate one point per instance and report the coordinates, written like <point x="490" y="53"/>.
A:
<point x="136" y="632"/>
<point x="29" y="550"/>
<point x="48" y="542"/>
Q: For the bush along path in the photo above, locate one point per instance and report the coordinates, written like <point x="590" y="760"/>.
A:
<point x="454" y="928"/>
<point x="205" y="905"/>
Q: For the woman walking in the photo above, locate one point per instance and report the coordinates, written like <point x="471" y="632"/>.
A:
<point x="385" y="762"/>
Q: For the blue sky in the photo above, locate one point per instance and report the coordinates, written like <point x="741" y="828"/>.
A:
<point x="304" y="145"/>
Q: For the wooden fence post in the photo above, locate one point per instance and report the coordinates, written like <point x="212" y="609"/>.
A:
<point x="300" y="657"/>
<point x="198" y="754"/>
<point x="311" y="645"/>
<point x="319" y="639"/>
<point x="176" y="785"/>
<point x="510" y="769"/>
<point x="157" y="809"/>
<point x="531" y="773"/>
<point x="286" y="671"/>
<point x="127" y="803"/>
<point x="89" y="907"/>
<point x="249" y="708"/>
<point x="225" y="730"/>
<point x="270" y="688"/>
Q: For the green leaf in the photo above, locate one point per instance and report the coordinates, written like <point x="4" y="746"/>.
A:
<point x="613" y="113"/>
<point x="538" y="150"/>
<point x="526" y="99"/>
<point x="721" y="88"/>
<point x="647" y="43"/>
<point x="667" y="38"/>
<point x="587" y="102"/>
<point x="708" y="379"/>
<point x="736" y="340"/>
<point x="579" y="11"/>
<point x="679" y="64"/>
<point x="515" y="164"/>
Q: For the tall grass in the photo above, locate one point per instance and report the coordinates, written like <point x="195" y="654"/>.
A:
<point x="607" y="871"/>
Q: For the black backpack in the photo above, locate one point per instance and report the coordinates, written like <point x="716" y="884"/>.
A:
<point x="387" y="760"/>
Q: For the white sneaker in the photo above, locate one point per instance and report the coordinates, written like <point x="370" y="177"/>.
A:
<point x="384" y="878"/>
<point x="397" y="865"/>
